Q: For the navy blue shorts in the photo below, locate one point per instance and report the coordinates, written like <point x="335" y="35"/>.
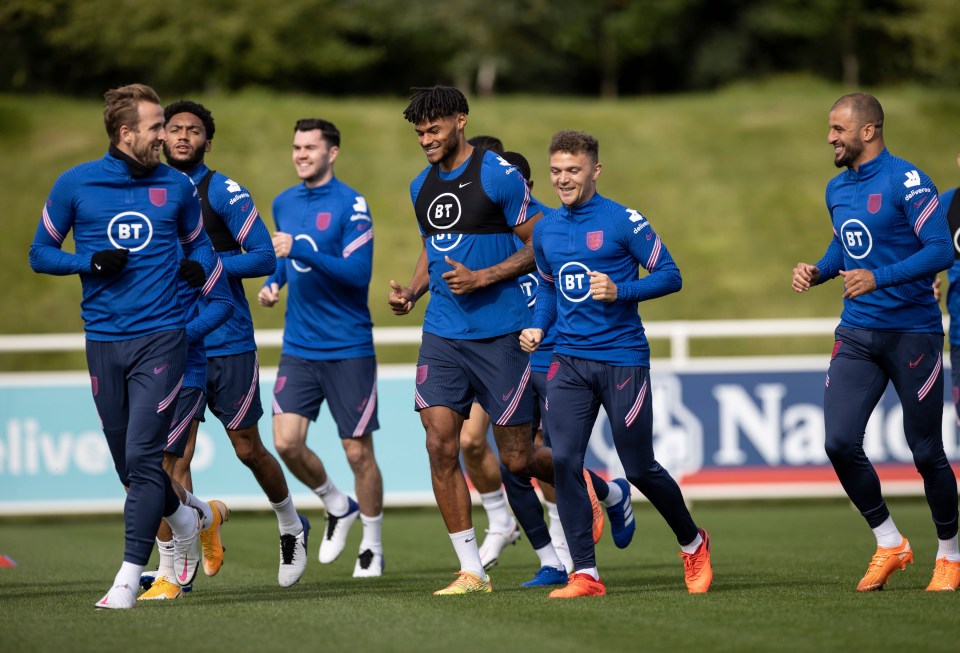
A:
<point x="189" y="405"/>
<point x="233" y="390"/>
<point x="135" y="387"/>
<point x="349" y="386"/>
<point x="494" y="371"/>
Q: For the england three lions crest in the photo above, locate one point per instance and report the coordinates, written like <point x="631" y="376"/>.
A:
<point x="594" y="240"/>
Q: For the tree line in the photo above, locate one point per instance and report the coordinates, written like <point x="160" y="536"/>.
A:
<point x="373" y="47"/>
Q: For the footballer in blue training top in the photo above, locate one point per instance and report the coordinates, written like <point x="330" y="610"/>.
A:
<point x="469" y="202"/>
<point x="890" y="239"/>
<point x="587" y="253"/>
<point x="324" y="241"/>
<point x="130" y="218"/>
<point x="239" y="236"/>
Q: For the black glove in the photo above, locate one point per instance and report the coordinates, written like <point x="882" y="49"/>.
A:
<point x="193" y="273"/>
<point x="108" y="262"/>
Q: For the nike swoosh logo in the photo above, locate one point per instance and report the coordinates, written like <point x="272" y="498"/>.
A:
<point x="507" y="396"/>
<point x="182" y="576"/>
<point x="621" y="386"/>
<point x="913" y="364"/>
<point x="466" y="184"/>
<point x="470" y="540"/>
<point x="97" y="265"/>
<point x="158" y="370"/>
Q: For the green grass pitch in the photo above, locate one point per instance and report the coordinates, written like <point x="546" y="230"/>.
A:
<point x="784" y="580"/>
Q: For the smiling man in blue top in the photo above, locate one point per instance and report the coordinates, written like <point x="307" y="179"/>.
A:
<point x="130" y="217"/>
<point x="890" y="239"/>
<point x="324" y="239"/>
<point x="469" y="203"/>
<point x="587" y="253"/>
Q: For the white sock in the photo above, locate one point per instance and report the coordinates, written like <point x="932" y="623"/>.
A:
<point x="335" y="501"/>
<point x="129" y="575"/>
<point x="465" y="545"/>
<point x="183" y="521"/>
<point x="615" y="496"/>
<point x="549" y="558"/>
<point x="888" y="536"/>
<point x="554" y="514"/>
<point x="590" y="571"/>
<point x="165" y="568"/>
<point x="205" y="510"/>
<point x="948" y="549"/>
<point x="495" y="505"/>
<point x="693" y="546"/>
<point x="287" y="517"/>
<point x="372" y="527"/>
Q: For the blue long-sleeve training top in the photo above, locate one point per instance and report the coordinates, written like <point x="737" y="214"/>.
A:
<point x="887" y="219"/>
<point x="253" y="258"/>
<point x="107" y="207"/>
<point x="599" y="236"/>
<point x="327" y="271"/>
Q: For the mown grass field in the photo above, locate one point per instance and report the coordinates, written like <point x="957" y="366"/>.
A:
<point x="784" y="581"/>
<point x="733" y="181"/>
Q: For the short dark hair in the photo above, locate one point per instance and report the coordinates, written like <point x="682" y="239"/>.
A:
<point x="435" y="102"/>
<point x="517" y="159"/>
<point x="491" y="143"/>
<point x="328" y="131"/>
<point x="197" y="109"/>
<point x="575" y="142"/>
<point x="864" y="107"/>
<point x="121" y="106"/>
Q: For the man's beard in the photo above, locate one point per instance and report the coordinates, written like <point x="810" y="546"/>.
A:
<point x="183" y="165"/>
<point x="851" y="152"/>
<point x="145" y="155"/>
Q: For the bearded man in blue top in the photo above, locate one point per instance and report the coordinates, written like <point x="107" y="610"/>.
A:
<point x="132" y="220"/>
<point x="890" y="239"/>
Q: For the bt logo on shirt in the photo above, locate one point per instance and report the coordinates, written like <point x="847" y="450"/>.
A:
<point x="444" y="211"/>
<point x="573" y="280"/>
<point x="130" y="230"/>
<point x="529" y="285"/>
<point x="856" y="238"/>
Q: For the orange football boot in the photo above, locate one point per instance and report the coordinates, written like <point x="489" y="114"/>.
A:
<point x="697" y="570"/>
<point x="885" y="561"/>
<point x="946" y="576"/>
<point x="598" y="517"/>
<point x="580" y="585"/>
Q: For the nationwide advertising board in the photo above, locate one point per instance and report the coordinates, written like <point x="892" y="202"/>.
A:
<point x="725" y="428"/>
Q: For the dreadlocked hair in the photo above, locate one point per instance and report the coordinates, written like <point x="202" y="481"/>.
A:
<point x="430" y="103"/>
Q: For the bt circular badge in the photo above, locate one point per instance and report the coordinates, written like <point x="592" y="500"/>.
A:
<point x="299" y="267"/>
<point x="445" y="242"/>
<point x="529" y="284"/>
<point x="130" y="230"/>
<point x="444" y="211"/>
<point x="573" y="280"/>
<point x="856" y="238"/>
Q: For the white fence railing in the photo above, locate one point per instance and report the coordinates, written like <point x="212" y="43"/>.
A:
<point x="678" y="332"/>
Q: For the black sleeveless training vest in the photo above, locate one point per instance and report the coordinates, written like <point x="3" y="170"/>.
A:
<point x="213" y="224"/>
<point x="458" y="206"/>
<point x="953" y="222"/>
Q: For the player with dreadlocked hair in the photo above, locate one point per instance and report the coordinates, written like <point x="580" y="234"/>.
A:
<point x="469" y="204"/>
<point x="435" y="102"/>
